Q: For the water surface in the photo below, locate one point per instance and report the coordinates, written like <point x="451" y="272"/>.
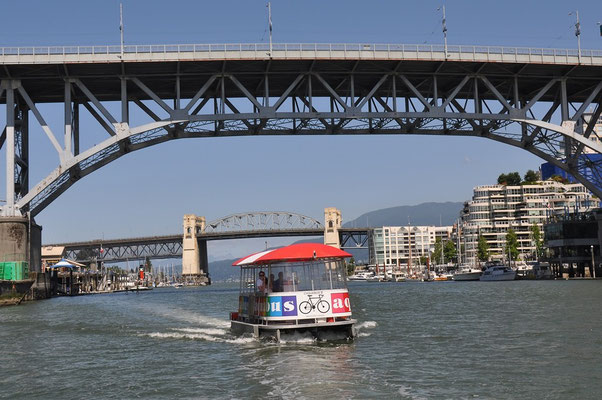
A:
<point x="440" y="340"/>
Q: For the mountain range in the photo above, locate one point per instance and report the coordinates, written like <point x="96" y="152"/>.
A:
<point x="437" y="214"/>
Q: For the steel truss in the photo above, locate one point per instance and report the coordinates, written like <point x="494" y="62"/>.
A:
<point x="125" y="249"/>
<point x="539" y="108"/>
<point x="265" y="221"/>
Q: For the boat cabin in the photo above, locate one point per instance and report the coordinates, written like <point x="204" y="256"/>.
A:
<point x="297" y="288"/>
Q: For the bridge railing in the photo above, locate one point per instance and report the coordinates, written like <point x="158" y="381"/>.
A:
<point x="284" y="50"/>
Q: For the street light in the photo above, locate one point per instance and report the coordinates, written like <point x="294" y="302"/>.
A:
<point x="444" y="29"/>
<point x="578" y="34"/>
<point x="593" y="265"/>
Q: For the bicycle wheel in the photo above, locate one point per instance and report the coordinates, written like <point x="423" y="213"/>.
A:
<point x="323" y="306"/>
<point x="305" y="307"/>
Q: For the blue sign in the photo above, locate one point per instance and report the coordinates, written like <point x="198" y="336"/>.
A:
<point x="282" y="306"/>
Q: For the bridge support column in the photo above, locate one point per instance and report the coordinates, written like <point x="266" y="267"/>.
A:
<point x="203" y="259"/>
<point x="194" y="252"/>
<point x="332" y="223"/>
<point x="21" y="240"/>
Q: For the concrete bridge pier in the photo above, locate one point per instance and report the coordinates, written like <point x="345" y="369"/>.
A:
<point x="332" y="223"/>
<point x="195" y="265"/>
<point x="21" y="240"/>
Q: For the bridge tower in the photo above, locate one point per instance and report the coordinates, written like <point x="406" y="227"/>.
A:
<point x="332" y="223"/>
<point x="195" y="263"/>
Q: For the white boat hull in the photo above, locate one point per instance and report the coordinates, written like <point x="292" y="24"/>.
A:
<point x="508" y="276"/>
<point x="467" y="276"/>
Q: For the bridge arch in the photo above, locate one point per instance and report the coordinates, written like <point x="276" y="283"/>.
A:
<point x="529" y="100"/>
<point x="262" y="221"/>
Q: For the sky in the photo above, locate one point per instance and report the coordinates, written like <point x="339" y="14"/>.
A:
<point x="147" y="192"/>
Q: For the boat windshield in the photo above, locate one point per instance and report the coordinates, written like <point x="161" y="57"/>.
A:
<point x="293" y="277"/>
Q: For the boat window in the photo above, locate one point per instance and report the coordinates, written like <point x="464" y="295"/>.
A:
<point x="314" y="275"/>
<point x="249" y="277"/>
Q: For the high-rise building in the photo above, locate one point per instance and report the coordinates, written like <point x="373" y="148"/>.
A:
<point x="494" y="209"/>
<point x="394" y="245"/>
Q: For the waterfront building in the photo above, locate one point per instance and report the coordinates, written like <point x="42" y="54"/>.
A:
<point x="394" y="245"/>
<point x="494" y="209"/>
<point x="573" y="243"/>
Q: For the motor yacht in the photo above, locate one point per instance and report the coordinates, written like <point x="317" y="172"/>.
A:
<point x="498" y="273"/>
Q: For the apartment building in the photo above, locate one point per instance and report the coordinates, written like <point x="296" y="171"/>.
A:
<point x="394" y="245"/>
<point x="494" y="209"/>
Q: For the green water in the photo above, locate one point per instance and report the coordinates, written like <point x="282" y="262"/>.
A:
<point x="441" y="340"/>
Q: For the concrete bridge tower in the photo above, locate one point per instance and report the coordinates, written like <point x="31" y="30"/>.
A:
<point x="194" y="252"/>
<point x="332" y="223"/>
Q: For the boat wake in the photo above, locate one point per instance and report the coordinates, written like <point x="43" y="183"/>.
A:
<point x="362" y="326"/>
<point x="203" y="334"/>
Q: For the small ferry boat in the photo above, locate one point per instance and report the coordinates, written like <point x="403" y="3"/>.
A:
<point x="301" y="288"/>
<point x="498" y="273"/>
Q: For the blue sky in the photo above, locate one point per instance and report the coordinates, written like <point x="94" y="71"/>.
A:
<point x="143" y="193"/>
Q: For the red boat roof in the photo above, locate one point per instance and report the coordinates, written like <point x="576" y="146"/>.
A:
<point x="294" y="252"/>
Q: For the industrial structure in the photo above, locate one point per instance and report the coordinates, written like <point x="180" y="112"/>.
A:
<point x="534" y="99"/>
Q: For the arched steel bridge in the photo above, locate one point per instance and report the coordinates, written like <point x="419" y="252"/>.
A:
<point x="266" y="221"/>
<point x="535" y="99"/>
<point x="236" y="226"/>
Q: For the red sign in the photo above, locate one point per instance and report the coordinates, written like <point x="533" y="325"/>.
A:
<point x="141" y="273"/>
<point x="340" y="302"/>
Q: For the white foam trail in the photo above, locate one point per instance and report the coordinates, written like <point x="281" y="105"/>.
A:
<point x="206" y="331"/>
<point x="197" y="336"/>
<point x="366" y="324"/>
<point x="200" y="319"/>
<point x="298" y="338"/>
<point x="363" y="334"/>
<point x="405" y="392"/>
<point x="188" y="316"/>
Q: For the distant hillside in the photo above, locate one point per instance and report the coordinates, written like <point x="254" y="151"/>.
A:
<point x="222" y="270"/>
<point x="421" y="214"/>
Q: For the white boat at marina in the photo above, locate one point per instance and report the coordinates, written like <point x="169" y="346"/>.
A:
<point x="498" y="273"/>
<point x="398" y="277"/>
<point x="468" y="274"/>
<point x="542" y="270"/>
<point x="360" y="276"/>
<point x="377" y="278"/>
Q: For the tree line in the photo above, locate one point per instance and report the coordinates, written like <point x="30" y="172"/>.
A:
<point x="514" y="179"/>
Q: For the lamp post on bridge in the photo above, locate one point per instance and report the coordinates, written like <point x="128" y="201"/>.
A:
<point x="578" y="34"/>
<point x="444" y="30"/>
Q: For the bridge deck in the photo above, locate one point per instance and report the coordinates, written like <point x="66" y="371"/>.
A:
<point x="43" y="69"/>
<point x="296" y="51"/>
<point x="170" y="246"/>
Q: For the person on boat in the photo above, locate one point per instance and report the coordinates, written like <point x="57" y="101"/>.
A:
<point x="279" y="283"/>
<point x="260" y="285"/>
<point x="271" y="284"/>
